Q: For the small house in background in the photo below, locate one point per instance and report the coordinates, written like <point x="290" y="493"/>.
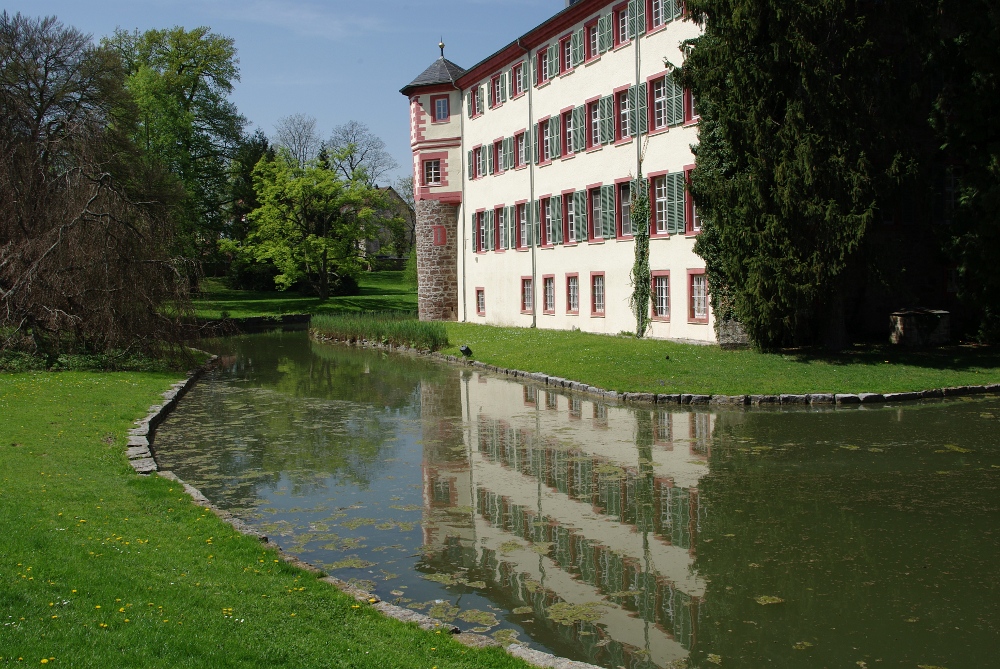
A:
<point x="390" y="249"/>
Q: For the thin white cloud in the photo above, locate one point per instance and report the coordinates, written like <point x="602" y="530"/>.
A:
<point x="302" y="18"/>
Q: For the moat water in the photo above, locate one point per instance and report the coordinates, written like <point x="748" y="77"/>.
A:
<point x="620" y="536"/>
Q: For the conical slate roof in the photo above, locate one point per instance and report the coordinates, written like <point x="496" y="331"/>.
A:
<point x="441" y="71"/>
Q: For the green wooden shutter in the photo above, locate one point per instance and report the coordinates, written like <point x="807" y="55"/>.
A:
<point x="534" y="143"/>
<point x="508" y="218"/>
<point x="675" y="101"/>
<point x="468" y="103"/>
<point x="534" y="68"/>
<point x="642" y="106"/>
<point x="604" y="28"/>
<point x="637" y="16"/>
<point x="608" y="211"/>
<point x="503" y="87"/>
<point x="553" y="55"/>
<point x="582" y="228"/>
<point x="676" y="8"/>
<point x="535" y="236"/>
<point x="475" y="232"/>
<point x="556" y="209"/>
<point x="675" y="203"/>
<point x="491" y="167"/>
<point x="555" y="141"/>
<point x="633" y="110"/>
<point x="471" y="167"/>
<point x="576" y="43"/>
<point x="491" y="231"/>
<point x="607" y="104"/>
<point x="580" y="128"/>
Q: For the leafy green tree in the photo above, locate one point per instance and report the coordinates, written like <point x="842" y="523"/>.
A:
<point x="967" y="119"/>
<point x="312" y="223"/>
<point x="180" y="81"/>
<point x="814" y="120"/>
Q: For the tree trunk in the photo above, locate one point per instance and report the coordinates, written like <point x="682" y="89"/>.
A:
<point x="324" y="278"/>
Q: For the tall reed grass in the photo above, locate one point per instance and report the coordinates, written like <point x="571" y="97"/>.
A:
<point x="397" y="329"/>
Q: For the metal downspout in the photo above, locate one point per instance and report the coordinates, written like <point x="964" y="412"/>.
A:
<point x="531" y="184"/>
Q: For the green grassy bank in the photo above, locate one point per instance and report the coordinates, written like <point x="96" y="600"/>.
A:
<point x="103" y="568"/>
<point x="627" y="364"/>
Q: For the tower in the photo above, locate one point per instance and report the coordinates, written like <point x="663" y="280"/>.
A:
<point x="436" y="141"/>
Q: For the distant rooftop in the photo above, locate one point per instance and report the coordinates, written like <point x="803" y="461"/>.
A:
<point x="441" y="71"/>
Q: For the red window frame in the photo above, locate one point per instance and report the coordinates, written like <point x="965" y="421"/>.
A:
<point x="541" y="58"/>
<point x="690" y="108"/>
<point x="440" y="235"/>
<point x="591" y="54"/>
<point x="592" y="222"/>
<point x="480" y="293"/>
<point x="434" y="101"/>
<point x="427" y="163"/>
<point x="592" y="105"/>
<point x="547" y="309"/>
<point x="495" y="100"/>
<point x="497" y="151"/>
<point x="526" y="282"/>
<point x="476" y="162"/>
<point x="654" y="275"/>
<point x="519" y="158"/>
<point x="654" y="221"/>
<point x="616" y="26"/>
<point x="570" y="311"/>
<point x="593" y="295"/>
<point x="497" y="224"/>
<point x="691" y="274"/>
<point x="515" y="79"/>
<point x="519" y="209"/>
<point x="567" y="199"/>
<point x="621" y="98"/>
<point x="543" y="227"/>
<point x="474" y="102"/>
<point x="543" y="126"/>
<point x="623" y="186"/>
<point x="650" y="28"/>
<point x="566" y="54"/>
<point x="480" y="239"/>
<point x="566" y="139"/>
<point x="689" y="207"/>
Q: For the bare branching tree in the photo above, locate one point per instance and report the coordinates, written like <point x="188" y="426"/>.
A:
<point x="354" y="150"/>
<point x="84" y="221"/>
<point x="297" y="134"/>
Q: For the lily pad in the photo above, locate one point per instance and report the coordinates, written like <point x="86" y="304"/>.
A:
<point x="485" y="619"/>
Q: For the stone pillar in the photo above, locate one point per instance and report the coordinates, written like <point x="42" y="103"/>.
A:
<point x="437" y="264"/>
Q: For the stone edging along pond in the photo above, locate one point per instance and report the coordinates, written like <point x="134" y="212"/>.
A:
<point x="143" y="461"/>
<point x="815" y="399"/>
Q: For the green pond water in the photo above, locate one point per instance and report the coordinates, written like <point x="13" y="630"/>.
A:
<point x="614" y="535"/>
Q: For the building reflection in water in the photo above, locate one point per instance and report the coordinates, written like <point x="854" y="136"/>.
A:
<point x="587" y="515"/>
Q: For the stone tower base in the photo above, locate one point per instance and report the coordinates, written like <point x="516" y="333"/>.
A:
<point x="437" y="260"/>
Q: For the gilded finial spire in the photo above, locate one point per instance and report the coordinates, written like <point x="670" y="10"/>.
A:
<point x="441" y="46"/>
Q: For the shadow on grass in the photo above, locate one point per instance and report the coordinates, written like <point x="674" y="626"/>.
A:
<point x="957" y="358"/>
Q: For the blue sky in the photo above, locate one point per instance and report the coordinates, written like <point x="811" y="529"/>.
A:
<point x="333" y="60"/>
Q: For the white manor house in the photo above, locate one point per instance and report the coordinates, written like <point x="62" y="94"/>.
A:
<point x="523" y="167"/>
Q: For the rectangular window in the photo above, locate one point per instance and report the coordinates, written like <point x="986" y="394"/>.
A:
<point x="659" y="103"/>
<point x="624" y="115"/>
<point x="440" y="235"/>
<point x="432" y="172"/>
<point x="566" y="55"/>
<point x="569" y="207"/>
<point x="692" y="221"/>
<point x="517" y="79"/>
<point x="480" y="302"/>
<point x="698" y="297"/>
<point x="594" y="119"/>
<point x="478" y="168"/>
<point x="474" y="97"/>
<point x="499" y="229"/>
<point x="567" y="133"/>
<point x="661" y="295"/>
<point x="481" y="232"/>
<point x="442" y="109"/>
<point x="660" y="205"/>
<point x="543" y="65"/>
<point x="547" y="231"/>
<point x="549" y="284"/>
<point x="593" y="41"/>
<point x="625" y="210"/>
<point x="522" y="226"/>
<point x="495" y="98"/>
<point x="527" y="295"/>
<point x="520" y="158"/>
<point x="545" y="140"/>
<point x="596" y="214"/>
<point x="498" y="155"/>
<point x="573" y="294"/>
<point x="690" y="107"/>
<point x="622" y="26"/>
<point x="597" y="294"/>
<point x="658" y="15"/>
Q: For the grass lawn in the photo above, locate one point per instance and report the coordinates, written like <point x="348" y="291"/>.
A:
<point x="628" y="364"/>
<point x="380" y="291"/>
<point x="103" y="568"/>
